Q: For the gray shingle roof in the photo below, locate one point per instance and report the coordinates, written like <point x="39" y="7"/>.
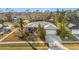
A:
<point x="47" y="25"/>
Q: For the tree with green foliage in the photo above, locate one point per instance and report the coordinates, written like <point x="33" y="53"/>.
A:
<point x="57" y="17"/>
<point x="65" y="21"/>
<point x="62" y="13"/>
<point x="49" y="16"/>
<point x="58" y="11"/>
<point x="62" y="31"/>
<point x="62" y="23"/>
<point x="8" y="15"/>
<point x="21" y="23"/>
<point x="41" y="32"/>
<point x="24" y="36"/>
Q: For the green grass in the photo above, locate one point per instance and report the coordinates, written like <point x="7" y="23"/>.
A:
<point x="72" y="46"/>
<point x="14" y="45"/>
<point x="12" y="38"/>
<point x="15" y="48"/>
<point x="23" y="45"/>
<point x="21" y="48"/>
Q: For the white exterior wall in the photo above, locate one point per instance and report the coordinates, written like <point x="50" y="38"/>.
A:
<point x="51" y="32"/>
<point x="75" y="31"/>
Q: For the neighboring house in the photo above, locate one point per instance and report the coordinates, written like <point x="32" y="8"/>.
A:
<point x="51" y="20"/>
<point x="7" y="25"/>
<point x="74" y="27"/>
<point x="15" y="17"/>
<point x="75" y="31"/>
<point x="49" y="27"/>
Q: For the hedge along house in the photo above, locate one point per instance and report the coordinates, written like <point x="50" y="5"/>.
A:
<point x="49" y="27"/>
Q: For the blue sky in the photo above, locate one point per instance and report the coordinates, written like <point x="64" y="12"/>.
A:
<point x="34" y="9"/>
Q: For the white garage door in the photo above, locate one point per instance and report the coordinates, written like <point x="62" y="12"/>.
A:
<point x="50" y="32"/>
<point x="75" y="31"/>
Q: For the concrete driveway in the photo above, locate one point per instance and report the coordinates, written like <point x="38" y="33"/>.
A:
<point x="54" y="42"/>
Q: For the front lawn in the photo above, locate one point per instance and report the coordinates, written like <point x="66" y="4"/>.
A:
<point x="72" y="46"/>
<point x="22" y="46"/>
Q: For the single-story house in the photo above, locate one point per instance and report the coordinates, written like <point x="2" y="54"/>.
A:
<point x="15" y="17"/>
<point x="49" y="27"/>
